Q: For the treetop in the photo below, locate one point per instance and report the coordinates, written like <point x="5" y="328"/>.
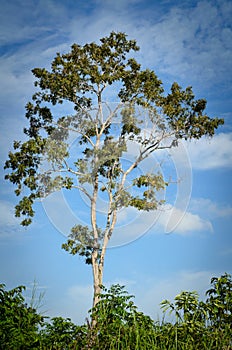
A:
<point x="142" y="114"/>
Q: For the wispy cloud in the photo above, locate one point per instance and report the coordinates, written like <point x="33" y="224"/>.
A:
<point x="182" y="40"/>
<point x="36" y="19"/>
<point x="7" y="214"/>
<point x="210" y="209"/>
<point x="189" y="43"/>
<point x="9" y="224"/>
<point x="168" y="288"/>
<point x="32" y="33"/>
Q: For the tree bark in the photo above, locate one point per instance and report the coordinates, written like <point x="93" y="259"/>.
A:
<point x="97" y="277"/>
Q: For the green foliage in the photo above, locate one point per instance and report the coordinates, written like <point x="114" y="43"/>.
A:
<point x="81" y="241"/>
<point x="62" y="334"/>
<point x="219" y="301"/>
<point x="186" y="115"/>
<point x="154" y="183"/>
<point x="19" y="323"/>
<point x="81" y="78"/>
<point x="119" y="325"/>
<point x="202" y="325"/>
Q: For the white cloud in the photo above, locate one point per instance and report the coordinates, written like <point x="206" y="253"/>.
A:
<point x="170" y="219"/>
<point x="211" y="153"/>
<point x="176" y="221"/>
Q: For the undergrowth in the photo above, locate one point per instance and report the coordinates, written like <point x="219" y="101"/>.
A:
<point x="116" y="323"/>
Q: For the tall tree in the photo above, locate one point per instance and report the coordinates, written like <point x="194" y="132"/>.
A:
<point x="142" y="115"/>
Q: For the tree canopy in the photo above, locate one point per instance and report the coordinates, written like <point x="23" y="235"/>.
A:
<point x="111" y="103"/>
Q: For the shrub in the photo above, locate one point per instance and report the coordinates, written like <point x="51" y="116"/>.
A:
<point x="19" y="323"/>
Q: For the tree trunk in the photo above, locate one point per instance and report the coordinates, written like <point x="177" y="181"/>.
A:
<point x="97" y="277"/>
<point x="97" y="283"/>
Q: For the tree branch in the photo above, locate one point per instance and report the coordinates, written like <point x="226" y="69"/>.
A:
<point x="83" y="190"/>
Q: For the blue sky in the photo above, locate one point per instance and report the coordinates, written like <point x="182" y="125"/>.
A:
<point x="189" y="42"/>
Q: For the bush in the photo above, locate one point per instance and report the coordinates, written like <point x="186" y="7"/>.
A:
<point x="62" y="334"/>
<point x="201" y="325"/>
<point x="117" y="324"/>
<point x="19" y="323"/>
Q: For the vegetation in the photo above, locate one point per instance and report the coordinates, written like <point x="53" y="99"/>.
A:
<point x="197" y="324"/>
<point x="83" y="82"/>
<point x="19" y="324"/>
